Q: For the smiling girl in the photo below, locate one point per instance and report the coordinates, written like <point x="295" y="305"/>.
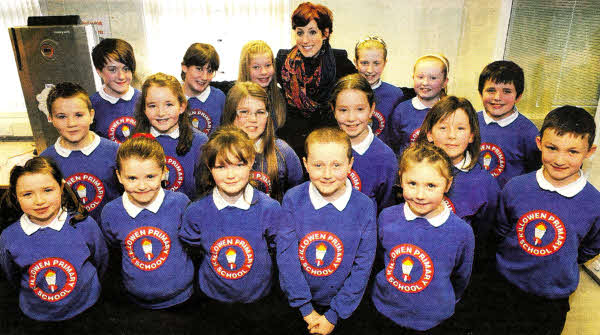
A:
<point x="164" y="113"/>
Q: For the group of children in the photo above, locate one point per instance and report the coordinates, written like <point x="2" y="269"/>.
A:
<point x="254" y="220"/>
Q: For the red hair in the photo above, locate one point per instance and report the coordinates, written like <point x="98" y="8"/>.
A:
<point x="308" y="11"/>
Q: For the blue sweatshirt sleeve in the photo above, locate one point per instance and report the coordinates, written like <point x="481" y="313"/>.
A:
<point x="395" y="136"/>
<point x="486" y="217"/>
<point x="385" y="196"/>
<point x="349" y="296"/>
<point x="590" y="245"/>
<point x="464" y="264"/>
<point x="189" y="232"/>
<point x="9" y="269"/>
<point x="503" y="226"/>
<point x="533" y="159"/>
<point x="293" y="166"/>
<point x="94" y="240"/>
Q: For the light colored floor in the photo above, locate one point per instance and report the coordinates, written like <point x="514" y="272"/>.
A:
<point x="584" y="317"/>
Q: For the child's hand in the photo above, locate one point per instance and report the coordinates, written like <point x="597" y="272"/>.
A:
<point x="312" y="319"/>
<point x="323" y="327"/>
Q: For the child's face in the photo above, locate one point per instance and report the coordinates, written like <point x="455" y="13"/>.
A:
<point x="197" y="78"/>
<point x="499" y="99"/>
<point x="141" y="179"/>
<point x="562" y="156"/>
<point x="116" y="77"/>
<point x="309" y="39"/>
<point x="328" y="167"/>
<point x="39" y="196"/>
<point x="423" y="188"/>
<point x="429" y="79"/>
<point x="353" y="113"/>
<point x="370" y="64"/>
<point x="72" y="118"/>
<point x="231" y="178"/>
<point x="163" y="109"/>
<point x="261" y="69"/>
<point x="251" y="117"/>
<point x="453" y="134"/>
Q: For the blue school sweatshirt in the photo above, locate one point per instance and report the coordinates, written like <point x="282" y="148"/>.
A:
<point x="56" y="272"/>
<point x="156" y="271"/>
<point x="288" y="167"/>
<point x="387" y="97"/>
<point x="405" y="125"/>
<point x="427" y="268"/>
<point x="206" y="115"/>
<point x="115" y="121"/>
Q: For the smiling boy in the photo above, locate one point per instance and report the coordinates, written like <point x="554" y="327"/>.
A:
<point x="508" y="146"/>
<point x="548" y="223"/>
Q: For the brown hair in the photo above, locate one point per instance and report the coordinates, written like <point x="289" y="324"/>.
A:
<point x="276" y="102"/>
<point x="353" y="81"/>
<point x="425" y="152"/>
<point x="186" y="134"/>
<point x="443" y="109"/>
<point x="226" y="140"/>
<point x="237" y="94"/>
<point x="143" y="148"/>
<point x="445" y="65"/>
<point x="307" y="11"/>
<point x="116" y="49"/>
<point x="67" y="90"/>
<point x="10" y="209"/>
<point x="200" y="54"/>
<point x="329" y="135"/>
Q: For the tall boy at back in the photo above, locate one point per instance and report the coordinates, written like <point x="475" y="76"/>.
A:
<point x="115" y="102"/>
<point x="548" y="223"/>
<point x="507" y="137"/>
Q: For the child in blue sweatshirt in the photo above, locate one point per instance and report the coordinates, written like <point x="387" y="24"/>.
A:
<point x="164" y="113"/>
<point x="548" y="223"/>
<point x="52" y="251"/>
<point x="276" y="166"/>
<point x="143" y="224"/>
<point x="370" y="57"/>
<point x="428" y="249"/>
<point x="234" y="226"/>
<point x="336" y="230"/>
<point x="198" y="68"/>
<point x="115" y="103"/>
<point x="507" y="137"/>
<point x="86" y="159"/>
<point x="374" y="169"/>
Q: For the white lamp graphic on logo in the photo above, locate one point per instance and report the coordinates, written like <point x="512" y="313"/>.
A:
<point x="125" y="131"/>
<point x="407" y="265"/>
<point x="195" y="122"/>
<point x="82" y="193"/>
<point x="147" y="247"/>
<point x="51" y="280"/>
<point x="320" y="251"/>
<point x="540" y="230"/>
<point x="230" y="254"/>
<point x="487" y="159"/>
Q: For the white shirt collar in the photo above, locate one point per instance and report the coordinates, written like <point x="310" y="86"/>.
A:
<point x="202" y="96"/>
<point x="568" y="191"/>
<point x="127" y="96"/>
<point x="87" y="150"/>
<point x="133" y="210"/>
<point x="435" y="221"/>
<point x="364" y="145"/>
<point x="462" y="165"/>
<point x="418" y="104"/>
<point x="504" y="122"/>
<point x="319" y="202"/>
<point x="29" y="227"/>
<point x="242" y="202"/>
<point x="174" y="134"/>
<point x="376" y="85"/>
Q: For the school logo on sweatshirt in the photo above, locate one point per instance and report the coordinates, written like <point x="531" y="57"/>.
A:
<point x="262" y="182"/>
<point x="320" y="253"/>
<point x="175" y="174"/>
<point x="448" y="203"/>
<point x="121" y="128"/>
<point x="201" y="120"/>
<point x="377" y="123"/>
<point x="52" y="279"/>
<point x="231" y="257"/>
<point x="540" y="233"/>
<point x="492" y="158"/>
<point x="414" y="135"/>
<point x="410" y="269"/>
<point x="88" y="188"/>
<point x="148" y="248"/>
<point x="355" y="180"/>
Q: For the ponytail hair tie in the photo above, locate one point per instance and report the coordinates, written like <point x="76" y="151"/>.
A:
<point x="147" y="135"/>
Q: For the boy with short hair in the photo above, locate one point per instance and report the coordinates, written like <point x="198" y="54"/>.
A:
<point x="198" y="68"/>
<point x="115" y="102"/>
<point x="86" y="160"/>
<point x="548" y="223"/>
<point x="508" y="146"/>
